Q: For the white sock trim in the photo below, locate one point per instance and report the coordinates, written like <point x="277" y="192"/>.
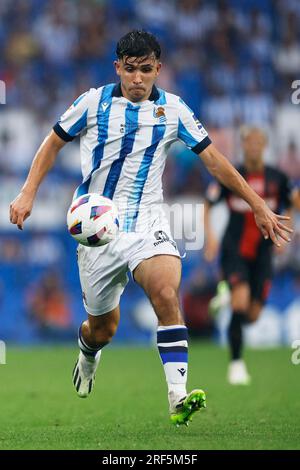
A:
<point x="170" y="327"/>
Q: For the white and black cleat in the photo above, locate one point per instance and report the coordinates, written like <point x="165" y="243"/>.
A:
<point x="84" y="374"/>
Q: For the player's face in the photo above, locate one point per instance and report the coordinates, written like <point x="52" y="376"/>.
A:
<point x="137" y="75"/>
<point x="254" y="145"/>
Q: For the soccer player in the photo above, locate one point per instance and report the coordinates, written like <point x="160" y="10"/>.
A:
<point x="245" y="253"/>
<point x="125" y="132"/>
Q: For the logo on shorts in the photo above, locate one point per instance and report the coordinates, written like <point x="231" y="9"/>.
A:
<point x="84" y="296"/>
<point x="163" y="237"/>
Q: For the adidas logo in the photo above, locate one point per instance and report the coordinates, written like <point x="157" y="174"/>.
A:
<point x="104" y="106"/>
<point x="182" y="371"/>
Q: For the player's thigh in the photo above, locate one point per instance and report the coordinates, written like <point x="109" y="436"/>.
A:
<point x="234" y="267"/>
<point x="236" y="272"/>
<point x="261" y="278"/>
<point x="158" y="272"/>
<point x="103" y="277"/>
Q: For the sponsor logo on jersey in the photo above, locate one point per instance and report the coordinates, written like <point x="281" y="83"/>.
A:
<point x="129" y="127"/>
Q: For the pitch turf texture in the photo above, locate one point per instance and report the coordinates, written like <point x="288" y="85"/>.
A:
<point x="128" y="407"/>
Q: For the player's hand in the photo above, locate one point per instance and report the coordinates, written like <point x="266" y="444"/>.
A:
<point x="271" y="225"/>
<point x="211" y="248"/>
<point x="20" y="209"/>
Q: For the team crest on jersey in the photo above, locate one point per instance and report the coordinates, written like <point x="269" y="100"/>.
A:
<point x="159" y="113"/>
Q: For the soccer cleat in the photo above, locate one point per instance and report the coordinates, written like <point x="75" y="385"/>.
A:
<point x="237" y="373"/>
<point x="182" y="412"/>
<point x="84" y="374"/>
<point x="221" y="299"/>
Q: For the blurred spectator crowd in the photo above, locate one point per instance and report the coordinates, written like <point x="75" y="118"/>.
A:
<point x="233" y="61"/>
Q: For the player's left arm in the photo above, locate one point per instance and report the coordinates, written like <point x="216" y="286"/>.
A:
<point x="267" y="221"/>
<point x="279" y="250"/>
<point x="193" y="134"/>
<point x="70" y="124"/>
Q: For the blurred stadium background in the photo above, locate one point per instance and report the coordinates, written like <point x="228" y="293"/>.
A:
<point x="233" y="61"/>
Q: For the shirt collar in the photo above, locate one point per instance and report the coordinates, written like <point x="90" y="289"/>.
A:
<point x="117" y="92"/>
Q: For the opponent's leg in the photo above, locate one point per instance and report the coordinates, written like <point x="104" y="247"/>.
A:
<point x="255" y="310"/>
<point x="160" y="278"/>
<point x="260" y="286"/>
<point x="249" y="301"/>
<point x="240" y="301"/>
<point x="94" y="334"/>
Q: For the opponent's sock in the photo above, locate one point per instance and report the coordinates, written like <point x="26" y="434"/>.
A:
<point x="235" y="334"/>
<point x="172" y="342"/>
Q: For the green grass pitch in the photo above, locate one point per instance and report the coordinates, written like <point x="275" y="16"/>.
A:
<point x="128" y="407"/>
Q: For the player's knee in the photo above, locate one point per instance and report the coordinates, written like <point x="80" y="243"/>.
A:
<point x="254" y="314"/>
<point x="103" y="334"/>
<point x="166" y="306"/>
<point x="239" y="307"/>
<point x="240" y="298"/>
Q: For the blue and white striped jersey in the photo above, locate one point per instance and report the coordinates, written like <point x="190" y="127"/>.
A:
<point x="124" y="145"/>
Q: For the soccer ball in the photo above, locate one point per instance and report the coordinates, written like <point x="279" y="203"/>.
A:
<point x="92" y="220"/>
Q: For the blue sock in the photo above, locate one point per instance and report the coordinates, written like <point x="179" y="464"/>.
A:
<point x="172" y="342"/>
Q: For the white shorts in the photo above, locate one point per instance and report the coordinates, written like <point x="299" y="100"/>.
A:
<point x="103" y="270"/>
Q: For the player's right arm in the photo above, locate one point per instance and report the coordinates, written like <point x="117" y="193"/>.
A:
<point x="71" y="124"/>
<point x="20" y="208"/>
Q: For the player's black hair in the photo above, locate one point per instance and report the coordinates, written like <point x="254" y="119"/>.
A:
<point x="138" y="43"/>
